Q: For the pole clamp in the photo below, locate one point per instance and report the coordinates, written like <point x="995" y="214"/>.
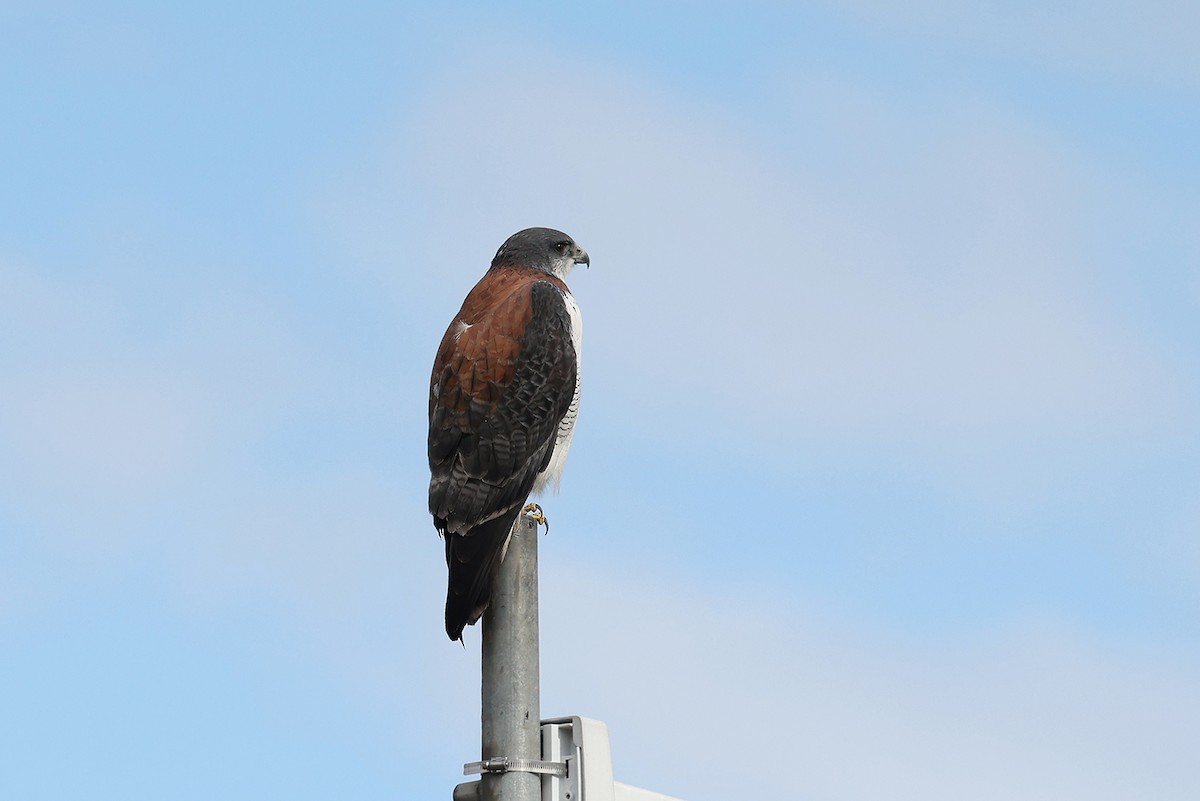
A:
<point x="507" y="765"/>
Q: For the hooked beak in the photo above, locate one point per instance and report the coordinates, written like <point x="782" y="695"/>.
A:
<point x="581" y="257"/>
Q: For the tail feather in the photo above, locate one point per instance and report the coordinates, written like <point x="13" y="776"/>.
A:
<point x="472" y="557"/>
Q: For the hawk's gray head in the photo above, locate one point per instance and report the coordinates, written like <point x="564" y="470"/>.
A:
<point x="543" y="249"/>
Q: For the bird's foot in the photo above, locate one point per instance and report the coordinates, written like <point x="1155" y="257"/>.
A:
<point x="537" y="515"/>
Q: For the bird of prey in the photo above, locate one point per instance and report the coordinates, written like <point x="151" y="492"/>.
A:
<point x="502" y="405"/>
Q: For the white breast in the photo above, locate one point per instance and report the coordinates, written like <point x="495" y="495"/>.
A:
<point x="552" y="475"/>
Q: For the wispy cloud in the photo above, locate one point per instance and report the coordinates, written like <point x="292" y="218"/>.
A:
<point x="1120" y="43"/>
<point x="732" y="698"/>
<point x="931" y="289"/>
<point x="224" y="416"/>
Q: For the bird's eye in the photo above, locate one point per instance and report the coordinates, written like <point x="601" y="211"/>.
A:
<point x="563" y="247"/>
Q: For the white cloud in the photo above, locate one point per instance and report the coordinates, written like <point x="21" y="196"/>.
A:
<point x="100" y="416"/>
<point x="1119" y="42"/>
<point x="84" y="423"/>
<point x="755" y="698"/>
<point x="118" y="436"/>
<point x="933" y="289"/>
<point x="104" y="434"/>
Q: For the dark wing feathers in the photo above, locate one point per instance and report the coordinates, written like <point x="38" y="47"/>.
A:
<point x="500" y="386"/>
<point x="470" y="561"/>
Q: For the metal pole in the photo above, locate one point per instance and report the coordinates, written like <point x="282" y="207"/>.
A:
<point x="511" y="709"/>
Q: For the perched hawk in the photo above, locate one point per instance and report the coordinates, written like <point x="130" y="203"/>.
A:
<point x="502" y="406"/>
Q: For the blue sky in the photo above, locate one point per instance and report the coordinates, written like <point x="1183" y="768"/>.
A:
<point x="888" y="468"/>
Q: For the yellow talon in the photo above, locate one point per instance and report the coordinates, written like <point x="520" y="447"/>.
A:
<point x="537" y="515"/>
